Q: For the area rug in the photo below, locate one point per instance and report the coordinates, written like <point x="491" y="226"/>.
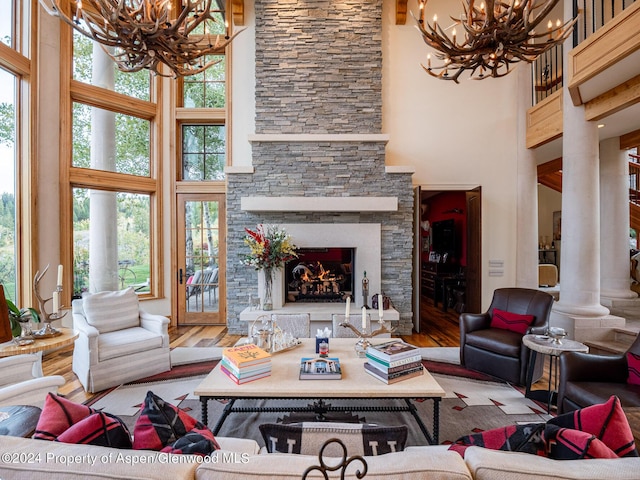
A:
<point x="470" y="405"/>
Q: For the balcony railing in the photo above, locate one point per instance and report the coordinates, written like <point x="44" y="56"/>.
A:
<point x="593" y="14"/>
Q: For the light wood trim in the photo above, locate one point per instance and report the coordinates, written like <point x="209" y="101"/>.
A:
<point x="544" y="121"/>
<point x="201" y="115"/>
<point x="610" y="44"/>
<point x="200" y="187"/>
<point x="619" y="98"/>
<point x="100" y="179"/>
<point x="112" y="101"/>
<point x="401" y="12"/>
<point x="14" y="61"/>
<point x="630" y="140"/>
<point x="237" y="12"/>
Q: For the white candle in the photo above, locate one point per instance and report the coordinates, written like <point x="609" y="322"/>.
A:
<point x="346" y="310"/>
<point x="56" y="304"/>
<point x="59" y="275"/>
<point x="380" y="305"/>
<point x="364" y="318"/>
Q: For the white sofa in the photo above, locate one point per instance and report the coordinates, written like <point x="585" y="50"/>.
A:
<point x="26" y="459"/>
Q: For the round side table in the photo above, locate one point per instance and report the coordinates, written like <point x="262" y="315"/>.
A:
<point x="544" y="345"/>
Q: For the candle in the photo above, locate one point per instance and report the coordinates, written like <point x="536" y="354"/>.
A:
<point x="55" y="302"/>
<point x="59" y="275"/>
<point x="435" y="23"/>
<point x="380" y="306"/>
<point x="364" y="318"/>
<point x="346" y="310"/>
<point x="428" y="60"/>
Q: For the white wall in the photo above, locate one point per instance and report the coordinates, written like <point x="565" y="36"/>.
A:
<point x="455" y="135"/>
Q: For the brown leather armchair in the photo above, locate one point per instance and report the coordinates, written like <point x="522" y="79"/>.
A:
<point x="587" y="379"/>
<point x="500" y="352"/>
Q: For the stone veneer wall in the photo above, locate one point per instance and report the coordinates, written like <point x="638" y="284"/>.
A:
<point x="318" y="70"/>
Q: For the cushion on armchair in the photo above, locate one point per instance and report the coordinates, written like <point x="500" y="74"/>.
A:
<point x="633" y="363"/>
<point x="110" y="311"/>
<point x="511" y="321"/>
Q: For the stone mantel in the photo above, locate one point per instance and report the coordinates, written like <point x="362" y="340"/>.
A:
<point x="319" y="137"/>
<point x="318" y="204"/>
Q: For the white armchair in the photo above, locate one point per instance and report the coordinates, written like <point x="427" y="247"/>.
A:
<point x="118" y="342"/>
<point x="20" y="383"/>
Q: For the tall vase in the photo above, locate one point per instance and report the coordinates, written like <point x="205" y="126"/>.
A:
<point x="267" y="300"/>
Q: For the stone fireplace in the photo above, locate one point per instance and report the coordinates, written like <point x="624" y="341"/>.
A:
<point x="318" y="157"/>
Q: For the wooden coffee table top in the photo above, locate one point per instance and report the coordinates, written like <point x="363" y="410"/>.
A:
<point x="284" y="382"/>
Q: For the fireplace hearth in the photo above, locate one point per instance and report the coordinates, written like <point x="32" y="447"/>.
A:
<point x="320" y="275"/>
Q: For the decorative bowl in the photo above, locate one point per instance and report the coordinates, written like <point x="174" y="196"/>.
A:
<point x="557" y="334"/>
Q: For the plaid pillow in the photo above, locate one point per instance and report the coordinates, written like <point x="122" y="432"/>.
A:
<point x="515" y="438"/>
<point x="511" y="321"/>
<point x="164" y="427"/>
<point x="605" y="422"/>
<point x="65" y="421"/>
<point x="306" y="438"/>
<point x="98" y="429"/>
<point x="58" y="414"/>
<point x="633" y="363"/>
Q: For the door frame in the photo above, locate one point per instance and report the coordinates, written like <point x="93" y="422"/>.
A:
<point x="474" y="247"/>
<point x="179" y="283"/>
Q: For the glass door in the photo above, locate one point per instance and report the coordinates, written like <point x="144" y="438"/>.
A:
<point x="201" y="247"/>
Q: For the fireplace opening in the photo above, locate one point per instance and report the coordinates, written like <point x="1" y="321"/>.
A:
<point x="320" y="275"/>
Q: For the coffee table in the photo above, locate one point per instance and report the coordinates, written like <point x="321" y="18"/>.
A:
<point x="355" y="384"/>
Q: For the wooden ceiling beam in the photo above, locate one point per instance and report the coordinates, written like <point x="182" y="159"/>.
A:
<point x="401" y="12"/>
<point x="552" y="166"/>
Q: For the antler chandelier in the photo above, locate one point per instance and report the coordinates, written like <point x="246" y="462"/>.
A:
<point x="140" y="34"/>
<point x="486" y="40"/>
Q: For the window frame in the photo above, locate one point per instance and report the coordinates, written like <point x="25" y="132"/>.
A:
<point x="75" y="91"/>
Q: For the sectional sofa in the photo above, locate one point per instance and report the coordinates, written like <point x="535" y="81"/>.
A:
<point x="241" y="459"/>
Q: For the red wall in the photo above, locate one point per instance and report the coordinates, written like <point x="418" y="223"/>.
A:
<point x="446" y="205"/>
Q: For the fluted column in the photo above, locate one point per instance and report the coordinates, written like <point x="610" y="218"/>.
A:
<point x="527" y="207"/>
<point x="614" y="222"/>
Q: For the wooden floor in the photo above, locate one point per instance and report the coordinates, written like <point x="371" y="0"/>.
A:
<point x="439" y="329"/>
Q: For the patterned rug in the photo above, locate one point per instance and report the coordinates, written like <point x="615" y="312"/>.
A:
<point x="474" y="402"/>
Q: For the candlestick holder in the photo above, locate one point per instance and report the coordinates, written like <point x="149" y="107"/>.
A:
<point x="363" y="337"/>
<point x="47" y="330"/>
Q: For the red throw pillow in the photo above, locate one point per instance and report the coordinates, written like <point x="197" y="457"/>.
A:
<point x="570" y="444"/>
<point x="511" y="321"/>
<point x="58" y="414"/>
<point x="606" y="422"/>
<point x="98" y="429"/>
<point x="164" y="427"/>
<point x="633" y="363"/>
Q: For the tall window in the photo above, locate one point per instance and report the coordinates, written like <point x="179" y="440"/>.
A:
<point x="113" y="175"/>
<point x="15" y="236"/>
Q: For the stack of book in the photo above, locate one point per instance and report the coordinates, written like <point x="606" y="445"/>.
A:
<point x="393" y="361"/>
<point x="245" y="363"/>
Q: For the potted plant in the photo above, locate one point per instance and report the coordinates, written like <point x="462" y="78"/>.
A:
<point x="20" y="318"/>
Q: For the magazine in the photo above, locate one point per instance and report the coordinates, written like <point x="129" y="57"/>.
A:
<point x="319" y="368"/>
<point x="393" y="350"/>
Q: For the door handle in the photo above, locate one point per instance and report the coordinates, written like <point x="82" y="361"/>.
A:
<point x="180" y="276"/>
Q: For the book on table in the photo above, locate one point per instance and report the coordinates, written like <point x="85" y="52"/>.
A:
<point x="244" y="379"/>
<point x="320" y="368"/>
<point x="386" y="368"/>
<point x="245" y="371"/>
<point x="390" y="378"/>
<point x="393" y="350"/>
<point x="395" y="364"/>
<point x="246" y="355"/>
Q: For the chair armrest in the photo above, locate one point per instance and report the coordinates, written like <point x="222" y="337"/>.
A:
<point x="19" y="368"/>
<point x="470" y="322"/>
<point x="31" y="392"/>
<point x="578" y="366"/>
<point x="83" y="328"/>
<point x="154" y="323"/>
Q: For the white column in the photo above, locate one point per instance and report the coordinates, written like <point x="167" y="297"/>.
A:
<point x="103" y="237"/>
<point x="614" y="222"/>
<point x="527" y="178"/>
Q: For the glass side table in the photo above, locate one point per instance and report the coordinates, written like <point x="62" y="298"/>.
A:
<point x="544" y="345"/>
